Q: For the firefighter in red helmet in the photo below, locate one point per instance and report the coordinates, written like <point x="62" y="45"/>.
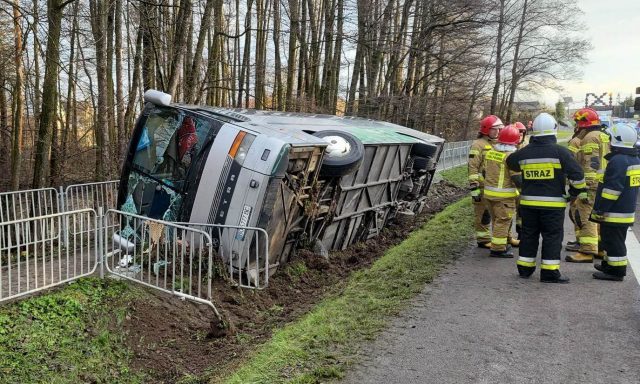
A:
<point x="594" y="146"/>
<point x="523" y="134"/>
<point x="488" y="133"/>
<point x="500" y="190"/>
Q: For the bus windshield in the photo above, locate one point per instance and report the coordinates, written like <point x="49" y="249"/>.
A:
<point x="168" y="145"/>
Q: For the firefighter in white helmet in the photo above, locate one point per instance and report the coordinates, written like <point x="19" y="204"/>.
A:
<point x="615" y="201"/>
<point x="544" y="165"/>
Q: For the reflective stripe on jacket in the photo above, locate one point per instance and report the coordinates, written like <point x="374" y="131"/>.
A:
<point x="617" y="195"/>
<point x="545" y="166"/>
<point x="593" y="149"/>
<point x="497" y="179"/>
<point x="476" y="158"/>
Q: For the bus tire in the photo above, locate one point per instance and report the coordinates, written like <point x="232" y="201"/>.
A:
<point x="343" y="155"/>
<point x="424" y="150"/>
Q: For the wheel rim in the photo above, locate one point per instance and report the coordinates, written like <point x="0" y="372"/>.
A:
<point x="338" y="146"/>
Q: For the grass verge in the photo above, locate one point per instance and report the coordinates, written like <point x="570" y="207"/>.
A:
<point x="67" y="336"/>
<point x="322" y="344"/>
<point x="457" y="176"/>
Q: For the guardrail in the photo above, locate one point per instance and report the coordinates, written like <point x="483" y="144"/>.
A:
<point x="244" y="250"/>
<point x="158" y="254"/>
<point x="454" y="154"/>
<point x="33" y="257"/>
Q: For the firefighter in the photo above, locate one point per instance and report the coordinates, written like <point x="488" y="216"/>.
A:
<point x="574" y="147"/>
<point x="544" y="165"/>
<point x="489" y="128"/>
<point x="500" y="191"/>
<point x="524" y="140"/>
<point x="615" y="201"/>
<point x="594" y="145"/>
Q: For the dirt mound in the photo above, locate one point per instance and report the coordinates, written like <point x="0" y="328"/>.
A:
<point x="172" y="338"/>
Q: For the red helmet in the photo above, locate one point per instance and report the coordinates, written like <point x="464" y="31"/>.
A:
<point x="509" y="135"/>
<point x="520" y="126"/>
<point x="489" y="122"/>
<point x="586" y="117"/>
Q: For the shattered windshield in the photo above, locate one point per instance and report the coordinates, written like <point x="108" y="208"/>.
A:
<point x="170" y="141"/>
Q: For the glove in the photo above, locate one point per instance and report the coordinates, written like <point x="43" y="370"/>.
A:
<point x="476" y="195"/>
<point x="584" y="197"/>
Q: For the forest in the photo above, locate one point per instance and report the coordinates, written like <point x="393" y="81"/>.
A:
<point x="74" y="71"/>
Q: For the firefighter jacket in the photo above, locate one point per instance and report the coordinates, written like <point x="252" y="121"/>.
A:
<point x="497" y="179"/>
<point x="593" y="149"/>
<point x="476" y="160"/>
<point x="574" y="147"/>
<point x="616" y="197"/>
<point x="545" y="165"/>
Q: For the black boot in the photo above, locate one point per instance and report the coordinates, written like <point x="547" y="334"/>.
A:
<point x="547" y="276"/>
<point x="572" y="246"/>
<point x="606" y="276"/>
<point x="506" y="254"/>
<point x="486" y="245"/>
<point x="602" y="267"/>
<point x="559" y="280"/>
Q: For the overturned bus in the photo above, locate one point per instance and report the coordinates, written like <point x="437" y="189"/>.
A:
<point x="318" y="180"/>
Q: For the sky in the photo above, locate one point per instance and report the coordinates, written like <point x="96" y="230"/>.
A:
<point x="613" y="27"/>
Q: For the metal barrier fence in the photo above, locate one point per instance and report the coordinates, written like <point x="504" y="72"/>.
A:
<point x="454" y="154"/>
<point x="91" y="195"/>
<point x="166" y="256"/>
<point x="244" y="250"/>
<point x="33" y="257"/>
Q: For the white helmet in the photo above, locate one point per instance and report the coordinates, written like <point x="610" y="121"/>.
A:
<point x="544" y="125"/>
<point x="623" y="135"/>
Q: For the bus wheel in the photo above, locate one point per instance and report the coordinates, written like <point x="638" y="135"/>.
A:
<point x="424" y="150"/>
<point x="343" y="155"/>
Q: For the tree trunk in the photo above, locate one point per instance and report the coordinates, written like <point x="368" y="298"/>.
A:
<point x="18" y="100"/>
<point x="194" y="71"/>
<point x="99" y="12"/>
<point x="293" y="51"/>
<point x="121" y="128"/>
<point x="496" y="86"/>
<point x="182" y="27"/>
<point x="278" y="91"/>
<point x="516" y="58"/>
<point x="49" y="93"/>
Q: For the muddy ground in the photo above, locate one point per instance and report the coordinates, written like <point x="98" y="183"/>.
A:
<point x="172" y="338"/>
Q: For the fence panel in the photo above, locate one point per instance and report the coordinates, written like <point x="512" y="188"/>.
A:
<point x="92" y="195"/>
<point x="162" y="255"/>
<point x="20" y="205"/>
<point x="244" y="250"/>
<point x="454" y="154"/>
<point x="34" y="257"/>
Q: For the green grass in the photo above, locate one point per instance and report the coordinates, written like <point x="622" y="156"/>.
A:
<point x="67" y="336"/>
<point x="563" y="134"/>
<point x="322" y="344"/>
<point x="456" y="176"/>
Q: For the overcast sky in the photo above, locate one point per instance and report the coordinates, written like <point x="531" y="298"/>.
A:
<point x="613" y="28"/>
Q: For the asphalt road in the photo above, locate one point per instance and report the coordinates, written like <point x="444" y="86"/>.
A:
<point x="480" y="323"/>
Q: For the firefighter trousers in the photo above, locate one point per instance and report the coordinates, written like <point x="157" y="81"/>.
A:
<point x="613" y="242"/>
<point x="501" y="211"/>
<point x="550" y="224"/>
<point x="482" y="221"/>
<point x="588" y="230"/>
